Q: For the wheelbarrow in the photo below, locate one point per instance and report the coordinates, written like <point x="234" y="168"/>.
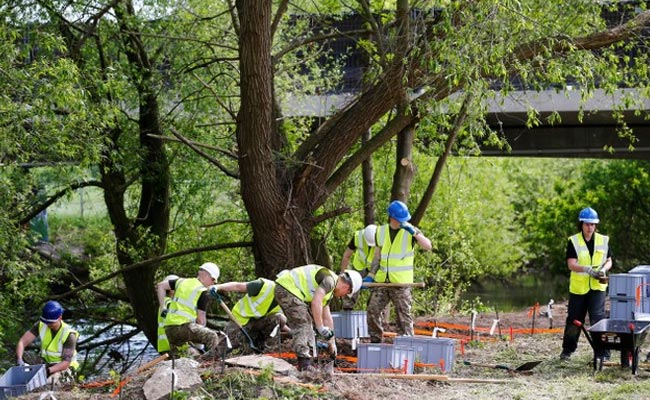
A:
<point x="616" y="334"/>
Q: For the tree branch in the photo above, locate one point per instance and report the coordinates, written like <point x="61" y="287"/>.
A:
<point x="154" y="260"/>
<point x="562" y="44"/>
<point x="203" y="154"/>
<point x="54" y="198"/>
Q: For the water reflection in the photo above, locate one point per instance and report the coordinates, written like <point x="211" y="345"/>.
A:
<point x="105" y="347"/>
<point x="518" y="294"/>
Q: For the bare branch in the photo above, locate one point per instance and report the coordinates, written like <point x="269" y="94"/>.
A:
<point x="154" y="260"/>
<point x="237" y="221"/>
<point x="54" y="198"/>
<point x="207" y="146"/>
<point x="203" y="154"/>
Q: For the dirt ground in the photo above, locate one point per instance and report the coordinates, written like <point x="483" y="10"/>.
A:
<point x="474" y="375"/>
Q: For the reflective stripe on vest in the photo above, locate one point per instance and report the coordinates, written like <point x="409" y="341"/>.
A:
<point x="162" y="342"/>
<point x="183" y="307"/>
<point x="581" y="282"/>
<point x="301" y="282"/>
<point x="256" y="306"/>
<point x="52" y="347"/>
<point x="364" y="254"/>
<point x="396" y="262"/>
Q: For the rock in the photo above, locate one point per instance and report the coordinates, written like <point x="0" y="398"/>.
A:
<point x="186" y="374"/>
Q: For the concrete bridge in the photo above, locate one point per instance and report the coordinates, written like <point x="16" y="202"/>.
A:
<point x="596" y="136"/>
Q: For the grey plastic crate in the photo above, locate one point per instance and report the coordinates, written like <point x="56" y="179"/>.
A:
<point x="624" y="285"/>
<point x="437" y="352"/>
<point x="20" y="380"/>
<point x="382" y="357"/>
<point x="626" y="307"/>
<point x="645" y="271"/>
<point x="350" y="324"/>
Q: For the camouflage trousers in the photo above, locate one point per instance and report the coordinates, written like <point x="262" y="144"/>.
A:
<point x="379" y="298"/>
<point x="259" y="329"/>
<point x="300" y="320"/>
<point x="178" y="335"/>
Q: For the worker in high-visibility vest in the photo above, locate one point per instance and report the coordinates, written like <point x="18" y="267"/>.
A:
<point x="589" y="258"/>
<point x="162" y="344"/>
<point x="58" y="342"/>
<point x="304" y="294"/>
<point x="185" y="318"/>
<point x="359" y="254"/>
<point x="393" y="262"/>
<point x="257" y="312"/>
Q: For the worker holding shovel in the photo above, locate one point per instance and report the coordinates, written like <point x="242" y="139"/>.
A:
<point x="185" y="318"/>
<point x="393" y="263"/>
<point x="304" y="294"/>
<point x="255" y="316"/>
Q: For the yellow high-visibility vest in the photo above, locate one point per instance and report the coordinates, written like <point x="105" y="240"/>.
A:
<point x="52" y="347"/>
<point x="256" y="306"/>
<point x="581" y="282"/>
<point x="396" y="262"/>
<point x="163" y="343"/>
<point x="301" y="282"/>
<point x="364" y="254"/>
<point x="183" y="306"/>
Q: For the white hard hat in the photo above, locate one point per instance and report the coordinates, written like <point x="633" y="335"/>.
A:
<point x="212" y="269"/>
<point x="171" y="277"/>
<point x="355" y="279"/>
<point x="369" y="233"/>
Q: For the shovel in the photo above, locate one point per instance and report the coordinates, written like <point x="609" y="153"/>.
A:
<point x="522" y="368"/>
<point x="251" y="344"/>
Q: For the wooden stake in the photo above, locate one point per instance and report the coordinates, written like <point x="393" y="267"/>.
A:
<point x="388" y="284"/>
<point x="426" y="377"/>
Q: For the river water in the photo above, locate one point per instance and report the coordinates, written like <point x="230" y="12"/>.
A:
<point x="518" y="294"/>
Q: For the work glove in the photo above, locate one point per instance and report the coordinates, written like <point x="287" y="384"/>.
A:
<point x="593" y="273"/>
<point x="325" y="332"/>
<point x="408" y="227"/>
<point x="163" y="313"/>
<point x="332" y="348"/>
<point x="214" y="293"/>
<point x="367" y="279"/>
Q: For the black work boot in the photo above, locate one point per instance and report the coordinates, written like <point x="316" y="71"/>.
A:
<point x="305" y="364"/>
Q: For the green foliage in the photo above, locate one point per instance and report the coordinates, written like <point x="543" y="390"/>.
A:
<point x="616" y="189"/>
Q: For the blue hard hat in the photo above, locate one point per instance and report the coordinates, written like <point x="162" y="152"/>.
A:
<point x="52" y="311"/>
<point x="399" y="211"/>
<point x="588" y="215"/>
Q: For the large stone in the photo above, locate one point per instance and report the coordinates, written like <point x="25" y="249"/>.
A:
<point x="184" y="373"/>
<point x="261" y="361"/>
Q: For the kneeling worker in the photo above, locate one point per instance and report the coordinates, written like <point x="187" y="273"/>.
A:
<point x="185" y="318"/>
<point x="257" y="311"/>
<point x="58" y="344"/>
<point x="304" y="294"/>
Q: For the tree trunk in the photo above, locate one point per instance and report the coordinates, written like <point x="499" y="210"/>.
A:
<point x="281" y="230"/>
<point x="404" y="169"/>
<point x="368" y="185"/>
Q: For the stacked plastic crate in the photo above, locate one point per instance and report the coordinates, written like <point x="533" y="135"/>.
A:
<point x="400" y="357"/>
<point x="622" y="294"/>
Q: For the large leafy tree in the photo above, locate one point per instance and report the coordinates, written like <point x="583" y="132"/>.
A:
<point x="218" y="78"/>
